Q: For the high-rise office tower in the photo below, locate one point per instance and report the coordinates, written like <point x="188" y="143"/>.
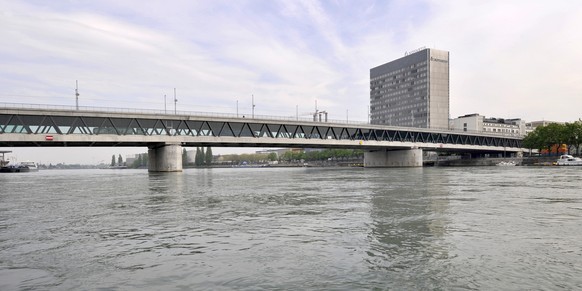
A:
<point x="412" y="91"/>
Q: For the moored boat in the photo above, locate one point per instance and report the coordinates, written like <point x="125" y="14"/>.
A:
<point x="568" y="160"/>
<point x="18" y="168"/>
<point x="14" y="169"/>
<point x="32" y="167"/>
<point x="506" y="164"/>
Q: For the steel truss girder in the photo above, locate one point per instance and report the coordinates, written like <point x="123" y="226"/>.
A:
<point x="52" y="124"/>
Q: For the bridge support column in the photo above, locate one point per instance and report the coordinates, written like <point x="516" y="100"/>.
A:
<point x="396" y="159"/>
<point x="165" y="158"/>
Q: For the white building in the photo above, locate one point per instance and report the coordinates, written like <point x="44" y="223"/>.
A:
<point x="478" y="123"/>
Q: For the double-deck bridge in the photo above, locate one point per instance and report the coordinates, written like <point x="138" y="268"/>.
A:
<point x="165" y="134"/>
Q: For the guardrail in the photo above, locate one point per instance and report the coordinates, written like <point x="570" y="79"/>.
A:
<point x="164" y="112"/>
<point x="96" y="109"/>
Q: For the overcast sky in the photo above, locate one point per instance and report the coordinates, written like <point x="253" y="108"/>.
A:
<point x="509" y="59"/>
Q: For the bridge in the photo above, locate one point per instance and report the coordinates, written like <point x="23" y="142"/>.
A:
<point x="165" y="134"/>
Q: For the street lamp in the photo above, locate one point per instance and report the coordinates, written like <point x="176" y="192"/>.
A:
<point x="77" y="94"/>
<point x="253" y="108"/>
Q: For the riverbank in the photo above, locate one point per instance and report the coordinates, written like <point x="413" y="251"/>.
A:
<point x="485" y="162"/>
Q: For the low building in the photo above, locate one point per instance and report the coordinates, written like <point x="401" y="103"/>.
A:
<point x="130" y="159"/>
<point x="535" y="124"/>
<point x="479" y="123"/>
<point x="504" y="125"/>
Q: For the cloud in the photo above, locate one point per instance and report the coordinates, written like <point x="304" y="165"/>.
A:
<point x="508" y="59"/>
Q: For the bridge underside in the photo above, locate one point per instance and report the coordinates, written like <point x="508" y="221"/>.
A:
<point x="108" y="140"/>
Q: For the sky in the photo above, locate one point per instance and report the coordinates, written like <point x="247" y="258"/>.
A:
<point x="508" y="59"/>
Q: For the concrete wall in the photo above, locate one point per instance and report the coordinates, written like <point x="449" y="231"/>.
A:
<point x="399" y="158"/>
<point x="474" y="123"/>
<point x="165" y="158"/>
<point x="438" y="89"/>
<point x="478" y="162"/>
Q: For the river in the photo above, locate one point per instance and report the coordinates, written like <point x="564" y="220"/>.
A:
<point x="474" y="228"/>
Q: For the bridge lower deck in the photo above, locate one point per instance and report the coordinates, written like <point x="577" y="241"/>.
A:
<point x="19" y="128"/>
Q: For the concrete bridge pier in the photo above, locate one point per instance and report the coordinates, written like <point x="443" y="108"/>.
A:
<point x="399" y="158"/>
<point x="165" y="157"/>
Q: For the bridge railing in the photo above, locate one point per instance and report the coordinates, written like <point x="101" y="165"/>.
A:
<point x="4" y="105"/>
<point x="97" y="109"/>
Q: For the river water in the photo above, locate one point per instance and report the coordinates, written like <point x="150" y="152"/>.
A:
<point x="477" y="228"/>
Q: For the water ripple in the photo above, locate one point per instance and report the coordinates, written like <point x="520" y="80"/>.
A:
<point x="266" y="229"/>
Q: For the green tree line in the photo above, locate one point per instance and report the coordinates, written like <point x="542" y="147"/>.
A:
<point x="249" y="158"/>
<point x="290" y="156"/>
<point x="203" y="157"/>
<point x="545" y="137"/>
<point x="334" y="154"/>
<point x="140" y="162"/>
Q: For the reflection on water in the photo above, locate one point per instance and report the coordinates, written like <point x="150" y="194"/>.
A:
<point x="422" y="228"/>
<point x="409" y="221"/>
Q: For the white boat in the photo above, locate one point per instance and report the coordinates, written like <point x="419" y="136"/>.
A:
<point x="32" y="167"/>
<point x="568" y="160"/>
<point x="506" y="164"/>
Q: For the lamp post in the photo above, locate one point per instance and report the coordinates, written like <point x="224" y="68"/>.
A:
<point x="253" y="103"/>
<point x="175" y="101"/>
<point x="236" y="108"/>
<point x="77" y="94"/>
<point x="165" y="105"/>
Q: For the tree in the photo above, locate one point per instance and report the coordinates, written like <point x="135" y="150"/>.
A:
<point x="573" y="135"/>
<point x="184" y="157"/>
<point x="578" y="133"/>
<point x="208" y="157"/>
<point x="272" y="157"/>
<point x="288" y="156"/>
<point x="532" y="141"/>
<point x="555" y="135"/>
<point x="120" y="160"/>
<point x="196" y="157"/>
<point x="112" y="160"/>
<point x="199" y="157"/>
